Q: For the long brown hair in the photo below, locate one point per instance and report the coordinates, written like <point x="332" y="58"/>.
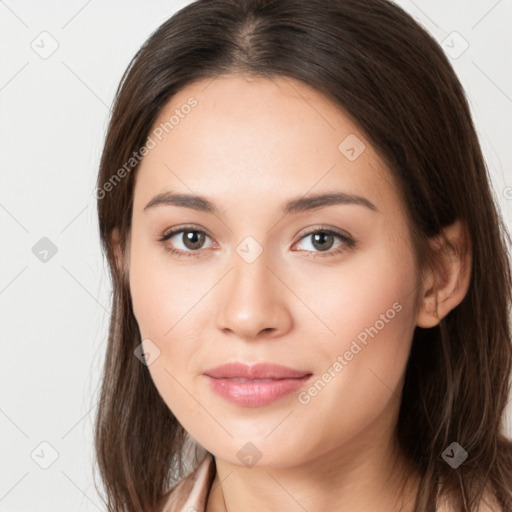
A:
<point x="393" y="79"/>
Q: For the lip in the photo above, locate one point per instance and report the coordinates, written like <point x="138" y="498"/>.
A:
<point x="255" y="371"/>
<point x="255" y="385"/>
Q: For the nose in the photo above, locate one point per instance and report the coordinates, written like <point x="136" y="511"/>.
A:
<point x="252" y="300"/>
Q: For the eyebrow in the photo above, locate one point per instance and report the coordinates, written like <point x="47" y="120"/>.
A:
<point x="300" y="204"/>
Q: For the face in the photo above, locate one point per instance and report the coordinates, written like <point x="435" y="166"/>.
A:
<point x="325" y="287"/>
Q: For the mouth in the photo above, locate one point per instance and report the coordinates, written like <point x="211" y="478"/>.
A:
<point x="236" y="379"/>
<point x="257" y="385"/>
<point x="260" y="371"/>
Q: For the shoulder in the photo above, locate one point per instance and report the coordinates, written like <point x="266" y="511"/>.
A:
<point x="192" y="491"/>
<point x="488" y="503"/>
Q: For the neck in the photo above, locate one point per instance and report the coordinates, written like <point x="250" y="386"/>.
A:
<point x="355" y="477"/>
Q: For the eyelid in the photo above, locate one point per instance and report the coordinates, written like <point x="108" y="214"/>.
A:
<point x="187" y="227"/>
<point x="322" y="227"/>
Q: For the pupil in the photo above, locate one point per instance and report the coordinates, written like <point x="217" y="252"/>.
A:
<point x="193" y="239"/>
<point x="320" y="238"/>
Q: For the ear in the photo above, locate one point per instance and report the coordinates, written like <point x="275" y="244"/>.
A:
<point x="444" y="289"/>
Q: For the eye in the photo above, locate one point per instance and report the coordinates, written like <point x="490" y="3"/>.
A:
<point x="191" y="239"/>
<point x="323" y="239"/>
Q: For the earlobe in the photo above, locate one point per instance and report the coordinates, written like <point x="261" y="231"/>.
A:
<point x="445" y="288"/>
<point x="428" y="313"/>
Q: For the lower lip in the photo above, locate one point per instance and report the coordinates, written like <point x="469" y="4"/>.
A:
<point x="255" y="393"/>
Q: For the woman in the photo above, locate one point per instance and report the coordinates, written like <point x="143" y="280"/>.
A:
<point x="310" y="275"/>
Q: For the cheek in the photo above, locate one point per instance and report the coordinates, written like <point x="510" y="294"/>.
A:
<point x="162" y="293"/>
<point x="366" y="291"/>
<point x="360" y="369"/>
<point x="371" y="312"/>
<point x="164" y="300"/>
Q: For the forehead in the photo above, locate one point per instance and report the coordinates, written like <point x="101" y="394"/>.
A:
<point x="253" y="138"/>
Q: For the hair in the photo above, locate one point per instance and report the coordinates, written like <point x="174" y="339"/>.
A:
<point x="393" y="80"/>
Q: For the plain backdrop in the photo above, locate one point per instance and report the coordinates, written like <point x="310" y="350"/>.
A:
<point x="59" y="67"/>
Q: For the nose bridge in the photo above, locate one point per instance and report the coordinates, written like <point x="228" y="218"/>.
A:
<point x="252" y="297"/>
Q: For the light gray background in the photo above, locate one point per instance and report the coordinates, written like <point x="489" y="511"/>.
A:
<point x="54" y="114"/>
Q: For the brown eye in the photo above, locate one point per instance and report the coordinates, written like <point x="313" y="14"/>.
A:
<point x="193" y="240"/>
<point x="185" y="241"/>
<point x="322" y="240"/>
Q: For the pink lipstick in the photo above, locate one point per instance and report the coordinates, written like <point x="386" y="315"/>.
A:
<point x="256" y="385"/>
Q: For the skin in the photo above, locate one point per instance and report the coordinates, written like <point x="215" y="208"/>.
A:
<point x="250" y="145"/>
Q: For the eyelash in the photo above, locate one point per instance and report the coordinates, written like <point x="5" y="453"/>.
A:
<point x="349" y="243"/>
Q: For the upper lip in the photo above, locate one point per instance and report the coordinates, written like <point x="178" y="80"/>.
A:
<point x="256" y="371"/>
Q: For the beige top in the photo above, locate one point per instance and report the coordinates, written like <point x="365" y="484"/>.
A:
<point x="191" y="493"/>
